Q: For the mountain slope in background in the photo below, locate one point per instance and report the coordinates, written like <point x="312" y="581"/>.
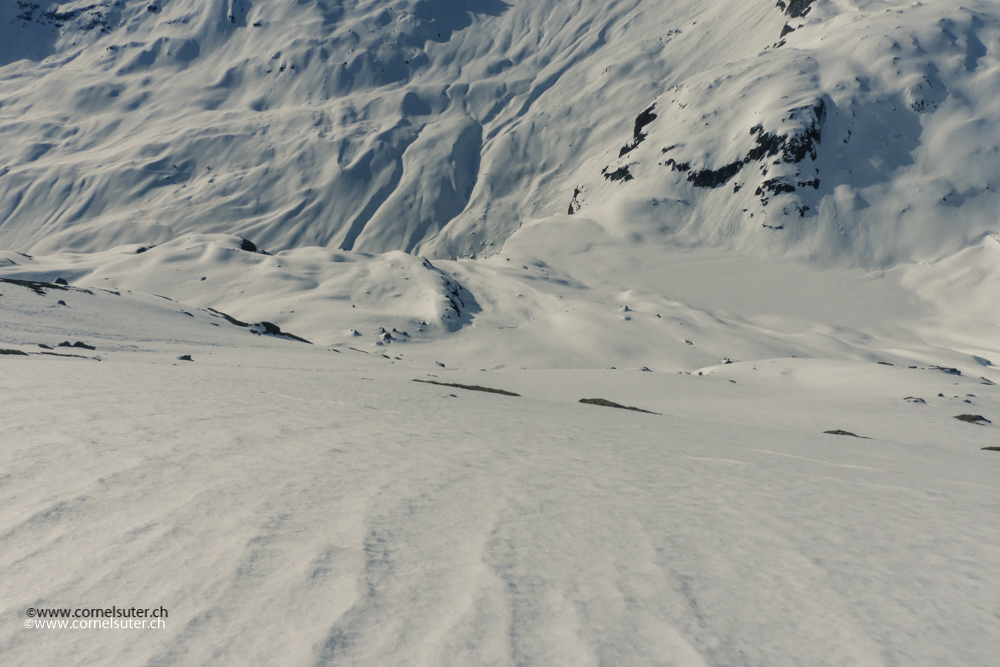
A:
<point x="854" y="129"/>
<point x="869" y="131"/>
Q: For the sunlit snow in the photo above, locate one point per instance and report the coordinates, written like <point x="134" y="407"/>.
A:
<point x="233" y="234"/>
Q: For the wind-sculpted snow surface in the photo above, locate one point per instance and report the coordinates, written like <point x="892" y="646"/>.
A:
<point x="325" y="295"/>
<point x="294" y="505"/>
<point x="857" y="128"/>
<point x="363" y="126"/>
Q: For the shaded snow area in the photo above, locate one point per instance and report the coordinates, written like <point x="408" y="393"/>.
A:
<point x="498" y="332"/>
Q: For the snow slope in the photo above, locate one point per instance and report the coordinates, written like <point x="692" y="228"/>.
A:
<point x="289" y="504"/>
<point x="867" y="134"/>
<point x="565" y="293"/>
<point x="869" y="131"/>
<point x="759" y="223"/>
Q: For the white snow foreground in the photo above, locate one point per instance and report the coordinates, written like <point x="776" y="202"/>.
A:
<point x="301" y="504"/>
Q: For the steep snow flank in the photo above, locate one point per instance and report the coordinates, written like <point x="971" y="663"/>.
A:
<point x="431" y="127"/>
<point x="869" y="131"/>
<point x="856" y="129"/>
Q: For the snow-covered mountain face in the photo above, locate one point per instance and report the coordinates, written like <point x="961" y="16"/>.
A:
<point x="314" y="316"/>
<point x="838" y="129"/>
<point x="867" y="131"/>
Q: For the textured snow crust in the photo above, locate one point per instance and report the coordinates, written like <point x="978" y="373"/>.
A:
<point x="291" y="504"/>
<point x="309" y="504"/>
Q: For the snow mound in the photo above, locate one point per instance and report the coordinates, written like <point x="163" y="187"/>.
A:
<point x="316" y="293"/>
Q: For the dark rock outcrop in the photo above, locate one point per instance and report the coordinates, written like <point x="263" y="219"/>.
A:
<point x="795" y="8"/>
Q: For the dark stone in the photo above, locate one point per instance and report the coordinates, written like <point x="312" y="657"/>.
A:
<point x="795" y="8"/>
<point x="841" y="432"/>
<point x="620" y="174"/>
<point x="272" y="329"/>
<point x="973" y="419"/>
<point x="631" y="146"/>
<point x="66" y="343"/>
<point x="795" y="147"/>
<point x="774" y="186"/>
<point x="248" y="246"/>
<point x="469" y="387"/>
<point x="185" y="357"/>
<point x="641" y="121"/>
<point x="60" y="281"/>
<point x="713" y="178"/>
<point x="792" y="148"/>
<point x="787" y="29"/>
<point x="609" y="404"/>
<point x="574" y="203"/>
<point x="228" y="318"/>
